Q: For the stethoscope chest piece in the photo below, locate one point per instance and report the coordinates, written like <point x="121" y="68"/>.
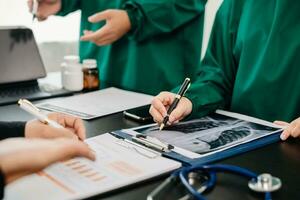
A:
<point x="265" y="183"/>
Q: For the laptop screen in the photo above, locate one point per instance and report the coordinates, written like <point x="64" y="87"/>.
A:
<point x="19" y="56"/>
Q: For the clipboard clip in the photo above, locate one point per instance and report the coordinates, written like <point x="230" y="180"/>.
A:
<point x="149" y="147"/>
<point x="152" y="143"/>
<point x="141" y="150"/>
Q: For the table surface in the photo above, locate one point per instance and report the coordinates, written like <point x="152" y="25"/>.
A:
<point x="281" y="159"/>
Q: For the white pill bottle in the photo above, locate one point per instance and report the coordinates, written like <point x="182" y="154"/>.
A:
<point x="72" y="75"/>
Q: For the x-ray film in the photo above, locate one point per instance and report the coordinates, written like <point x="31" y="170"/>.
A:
<point x="209" y="134"/>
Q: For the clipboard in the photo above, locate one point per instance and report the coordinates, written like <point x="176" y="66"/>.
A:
<point x="231" y="150"/>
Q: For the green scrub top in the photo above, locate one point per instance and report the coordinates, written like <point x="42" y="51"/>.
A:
<point x="252" y="65"/>
<point x="162" y="48"/>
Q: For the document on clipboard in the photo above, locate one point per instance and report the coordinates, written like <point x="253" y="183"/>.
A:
<point x="97" y="104"/>
<point x="118" y="164"/>
<point x="209" y="135"/>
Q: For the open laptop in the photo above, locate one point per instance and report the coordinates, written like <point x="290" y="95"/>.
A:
<point x="20" y="67"/>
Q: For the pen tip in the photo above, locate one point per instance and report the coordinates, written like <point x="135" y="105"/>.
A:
<point x="161" y="127"/>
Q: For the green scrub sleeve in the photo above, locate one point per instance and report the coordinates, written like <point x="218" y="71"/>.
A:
<point x="213" y="86"/>
<point x="68" y="6"/>
<point x="150" y="18"/>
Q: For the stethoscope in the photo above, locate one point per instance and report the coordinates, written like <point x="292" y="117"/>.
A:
<point x="265" y="183"/>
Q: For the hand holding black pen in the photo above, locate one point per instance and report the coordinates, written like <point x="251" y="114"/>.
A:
<point x="184" y="87"/>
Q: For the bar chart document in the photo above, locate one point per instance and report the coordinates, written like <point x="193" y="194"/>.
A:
<point x="118" y="163"/>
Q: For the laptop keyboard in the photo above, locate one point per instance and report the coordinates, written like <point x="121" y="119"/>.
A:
<point x="12" y="95"/>
<point x="32" y="92"/>
<point x="18" y="92"/>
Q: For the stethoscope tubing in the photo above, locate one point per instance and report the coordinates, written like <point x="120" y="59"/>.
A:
<point x="211" y="171"/>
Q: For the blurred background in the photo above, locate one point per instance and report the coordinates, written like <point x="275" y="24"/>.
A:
<point x="58" y="36"/>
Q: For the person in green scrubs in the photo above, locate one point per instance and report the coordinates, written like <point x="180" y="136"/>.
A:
<point x="155" y="43"/>
<point x="251" y="66"/>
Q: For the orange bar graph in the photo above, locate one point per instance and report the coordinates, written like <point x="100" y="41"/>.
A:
<point x="56" y="182"/>
<point x="84" y="170"/>
<point x="71" y="163"/>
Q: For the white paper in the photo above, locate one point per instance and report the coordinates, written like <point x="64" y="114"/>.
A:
<point x="98" y="103"/>
<point x="248" y="118"/>
<point x="116" y="166"/>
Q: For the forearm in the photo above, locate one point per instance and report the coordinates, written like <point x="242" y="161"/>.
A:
<point x="206" y="98"/>
<point x="2" y="184"/>
<point x="12" y="129"/>
<point x="149" y="19"/>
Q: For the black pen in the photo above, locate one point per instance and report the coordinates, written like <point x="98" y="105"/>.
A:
<point x="35" y="6"/>
<point x="184" y="87"/>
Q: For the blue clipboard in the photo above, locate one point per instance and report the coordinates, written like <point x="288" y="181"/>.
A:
<point x="218" y="155"/>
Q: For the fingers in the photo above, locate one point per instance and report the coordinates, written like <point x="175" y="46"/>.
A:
<point x="296" y="131"/>
<point x="99" y="16"/>
<point x="76" y="124"/>
<point x="158" y="106"/>
<point x="41" y="18"/>
<point x="161" y="102"/>
<point x="292" y="129"/>
<point x="30" y="4"/>
<point x="116" y="26"/>
<point x="281" y="123"/>
<point x="287" y="132"/>
<point x="45" y="8"/>
<point x="73" y="124"/>
<point x="157" y="116"/>
<point x="100" y="34"/>
<point x="158" y="109"/>
<point x="105" y="41"/>
<point x="183" y="108"/>
<point x="70" y="148"/>
<point x="61" y="150"/>
<point x="284" y="135"/>
<point x="177" y="114"/>
<point x="62" y="133"/>
<point x="22" y="156"/>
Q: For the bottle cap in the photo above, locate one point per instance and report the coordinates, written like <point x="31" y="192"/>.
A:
<point x="71" y="59"/>
<point x="89" y="63"/>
